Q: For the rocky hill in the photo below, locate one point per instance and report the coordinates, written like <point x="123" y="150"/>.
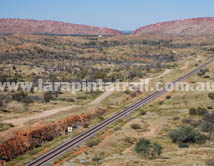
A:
<point x="192" y="27"/>
<point x="22" y="26"/>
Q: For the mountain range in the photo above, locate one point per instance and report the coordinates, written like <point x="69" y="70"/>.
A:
<point x="22" y="26"/>
<point x="191" y="27"/>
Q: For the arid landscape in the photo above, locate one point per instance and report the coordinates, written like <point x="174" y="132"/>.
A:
<point x="176" y="129"/>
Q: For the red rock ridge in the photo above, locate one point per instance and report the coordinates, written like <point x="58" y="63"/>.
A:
<point x="26" y="140"/>
<point x="22" y="26"/>
<point x="194" y="26"/>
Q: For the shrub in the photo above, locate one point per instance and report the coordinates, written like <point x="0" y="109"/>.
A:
<point x="47" y="97"/>
<point x="127" y="92"/>
<point x="147" y="149"/>
<point x="192" y="111"/>
<point x="129" y="140"/>
<point x="101" y="118"/>
<point x="96" y="159"/>
<point x="211" y="95"/>
<point x="161" y="102"/>
<point x="186" y="134"/>
<point x="93" y="143"/>
<point x="117" y="128"/>
<point x="196" y="123"/>
<point x="135" y="126"/>
<point x="142" y="112"/>
<point x="19" y="96"/>
<point x="70" y="100"/>
<point x="188" y="121"/>
<point x="1" y="104"/>
<point x="176" y="118"/>
<point x="85" y="125"/>
<point x="27" y="102"/>
<point x="133" y="94"/>
<point x="209" y="107"/>
<point x="201" y="111"/>
<point x="202" y="72"/>
<point x="81" y="98"/>
<point x="206" y="76"/>
<point x="207" y="124"/>
<point x="183" y="146"/>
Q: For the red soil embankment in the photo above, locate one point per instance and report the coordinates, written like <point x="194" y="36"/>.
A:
<point x="27" y="140"/>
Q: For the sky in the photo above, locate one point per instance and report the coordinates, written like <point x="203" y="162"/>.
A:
<point x="117" y="14"/>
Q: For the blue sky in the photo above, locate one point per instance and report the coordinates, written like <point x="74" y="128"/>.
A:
<point x="118" y="14"/>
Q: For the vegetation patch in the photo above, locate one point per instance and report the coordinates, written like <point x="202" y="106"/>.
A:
<point x="147" y="149"/>
<point x="186" y="134"/>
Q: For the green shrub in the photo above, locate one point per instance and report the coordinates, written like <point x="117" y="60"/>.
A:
<point x="142" y="112"/>
<point x="209" y="107"/>
<point x="70" y="100"/>
<point x="201" y="111"/>
<point x="81" y="98"/>
<point x="196" y="123"/>
<point x="176" y="118"/>
<point x="94" y="142"/>
<point x="117" y="128"/>
<point x="19" y="96"/>
<point x="183" y="146"/>
<point x="192" y="111"/>
<point x="206" y="76"/>
<point x="127" y="92"/>
<point x="211" y="95"/>
<point x="1" y="103"/>
<point x="85" y="125"/>
<point x="147" y="149"/>
<point x="47" y="97"/>
<point x="133" y="94"/>
<point x="186" y="134"/>
<point x="161" y="102"/>
<point x="96" y="159"/>
<point x="129" y="140"/>
<point x="187" y="121"/>
<point x="135" y="126"/>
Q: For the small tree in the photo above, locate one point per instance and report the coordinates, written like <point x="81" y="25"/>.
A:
<point x="147" y="149"/>
<point x="143" y="147"/>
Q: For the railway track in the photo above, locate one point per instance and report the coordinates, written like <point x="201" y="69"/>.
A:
<point x="53" y="154"/>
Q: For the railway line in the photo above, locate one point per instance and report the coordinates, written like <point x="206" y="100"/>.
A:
<point x="71" y="144"/>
